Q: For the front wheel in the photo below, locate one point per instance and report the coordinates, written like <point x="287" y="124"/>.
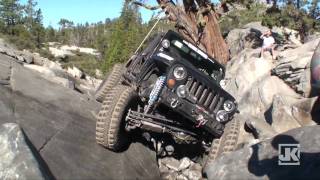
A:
<point x="110" y="125"/>
<point x="113" y="79"/>
<point x="226" y="143"/>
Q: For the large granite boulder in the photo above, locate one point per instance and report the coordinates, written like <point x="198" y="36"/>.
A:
<point x="17" y="159"/>
<point x="294" y="67"/>
<point x="260" y="161"/>
<point x="246" y="37"/>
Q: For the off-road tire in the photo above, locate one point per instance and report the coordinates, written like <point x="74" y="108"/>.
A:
<point x="113" y="79"/>
<point x="226" y="143"/>
<point x="110" y="125"/>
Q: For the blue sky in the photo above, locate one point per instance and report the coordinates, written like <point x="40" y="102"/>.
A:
<point x="81" y="11"/>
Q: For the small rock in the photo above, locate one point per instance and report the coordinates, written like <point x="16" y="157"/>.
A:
<point x="194" y="175"/>
<point x="169" y="176"/>
<point x="182" y="177"/>
<point x="196" y="167"/>
<point x="163" y="168"/>
<point x="99" y="73"/>
<point x="38" y="60"/>
<point x="20" y="58"/>
<point x="28" y="57"/>
<point x="184" y="163"/>
<point x="194" y="172"/>
<point x="75" y="72"/>
<point x="171" y="163"/>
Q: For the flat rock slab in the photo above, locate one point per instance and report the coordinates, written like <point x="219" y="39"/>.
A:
<point x="60" y="125"/>
<point x="260" y="161"/>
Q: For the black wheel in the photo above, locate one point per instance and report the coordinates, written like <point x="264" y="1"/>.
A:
<point x="226" y="143"/>
<point x="110" y="126"/>
<point x="113" y="79"/>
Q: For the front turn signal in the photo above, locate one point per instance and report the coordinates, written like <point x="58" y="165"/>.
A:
<point x="171" y="83"/>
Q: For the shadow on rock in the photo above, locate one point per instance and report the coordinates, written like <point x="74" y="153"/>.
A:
<point x="261" y="161"/>
<point x="315" y="112"/>
<point x="43" y="165"/>
<point x="309" y="162"/>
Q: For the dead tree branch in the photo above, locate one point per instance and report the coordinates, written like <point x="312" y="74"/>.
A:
<point x="197" y="22"/>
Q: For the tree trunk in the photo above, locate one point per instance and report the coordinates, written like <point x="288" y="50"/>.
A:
<point x="197" y="21"/>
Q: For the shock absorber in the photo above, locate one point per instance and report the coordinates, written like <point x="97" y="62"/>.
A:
<point x="154" y="95"/>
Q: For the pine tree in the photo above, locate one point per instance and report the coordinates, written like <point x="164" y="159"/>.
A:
<point x="50" y="34"/>
<point x="314" y="9"/>
<point x="65" y="29"/>
<point x="10" y="14"/>
<point x="30" y="13"/>
<point x="127" y="34"/>
<point x="38" y="30"/>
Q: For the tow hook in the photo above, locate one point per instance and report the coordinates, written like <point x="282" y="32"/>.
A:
<point x="174" y="102"/>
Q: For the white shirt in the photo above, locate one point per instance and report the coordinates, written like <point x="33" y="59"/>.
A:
<point x="268" y="41"/>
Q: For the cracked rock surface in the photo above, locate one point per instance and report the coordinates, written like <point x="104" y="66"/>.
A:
<point x="59" y="123"/>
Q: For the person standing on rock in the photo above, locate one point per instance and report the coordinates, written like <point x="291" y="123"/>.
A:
<point x="268" y="43"/>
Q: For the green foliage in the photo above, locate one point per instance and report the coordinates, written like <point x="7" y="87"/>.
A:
<point x="303" y="16"/>
<point x="86" y="63"/>
<point x="314" y="9"/>
<point x="22" y="23"/>
<point x="29" y="10"/>
<point x="50" y="34"/>
<point x="10" y="15"/>
<point x="44" y="52"/>
<point x="239" y="18"/>
<point x="126" y="35"/>
<point x="292" y="15"/>
<point x="22" y="41"/>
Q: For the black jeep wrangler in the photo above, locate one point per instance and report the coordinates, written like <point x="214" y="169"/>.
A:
<point x="171" y="89"/>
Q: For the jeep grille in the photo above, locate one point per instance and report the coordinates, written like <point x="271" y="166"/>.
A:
<point x="205" y="97"/>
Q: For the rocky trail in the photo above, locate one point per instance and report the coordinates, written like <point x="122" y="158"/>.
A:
<point x="59" y="128"/>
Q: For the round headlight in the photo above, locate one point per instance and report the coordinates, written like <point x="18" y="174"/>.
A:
<point x="182" y="91"/>
<point x="222" y="116"/>
<point x="179" y="73"/>
<point x="229" y="106"/>
<point x="165" y="43"/>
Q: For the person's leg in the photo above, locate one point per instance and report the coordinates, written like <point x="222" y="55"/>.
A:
<point x="272" y="53"/>
<point x="261" y="53"/>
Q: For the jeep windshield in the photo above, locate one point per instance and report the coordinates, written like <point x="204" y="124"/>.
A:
<point x="198" y="58"/>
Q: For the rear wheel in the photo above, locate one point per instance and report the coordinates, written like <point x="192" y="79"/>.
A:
<point x="110" y="126"/>
<point x="226" y="143"/>
<point x="113" y="79"/>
